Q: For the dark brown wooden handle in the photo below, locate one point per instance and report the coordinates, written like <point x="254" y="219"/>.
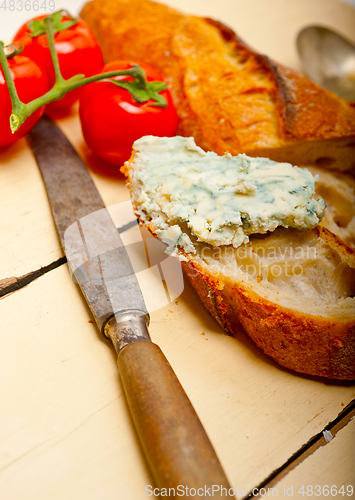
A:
<point x="175" y="444"/>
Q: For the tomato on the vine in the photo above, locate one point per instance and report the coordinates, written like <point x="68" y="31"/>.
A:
<point x="78" y="53"/>
<point x="112" y="120"/>
<point x="31" y="82"/>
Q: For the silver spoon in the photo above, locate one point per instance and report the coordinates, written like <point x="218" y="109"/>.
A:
<point x="328" y="59"/>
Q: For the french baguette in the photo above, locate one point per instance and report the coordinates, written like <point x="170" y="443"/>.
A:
<point x="228" y="97"/>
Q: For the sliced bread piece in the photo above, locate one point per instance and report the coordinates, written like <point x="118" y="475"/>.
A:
<point x="292" y="290"/>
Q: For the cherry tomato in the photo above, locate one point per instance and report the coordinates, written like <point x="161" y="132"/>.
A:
<point x="112" y="120"/>
<point x="30" y="82"/>
<point x="78" y="53"/>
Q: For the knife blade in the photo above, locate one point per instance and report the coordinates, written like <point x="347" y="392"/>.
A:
<point x="173" y="440"/>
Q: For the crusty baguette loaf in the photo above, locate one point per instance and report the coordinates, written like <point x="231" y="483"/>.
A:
<point x="228" y="97"/>
<point x="291" y="290"/>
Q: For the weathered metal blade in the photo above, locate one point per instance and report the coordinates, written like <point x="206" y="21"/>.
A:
<point x="171" y="434"/>
<point x="93" y="246"/>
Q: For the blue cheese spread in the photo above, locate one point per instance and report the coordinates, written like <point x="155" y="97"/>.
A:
<point x="188" y="194"/>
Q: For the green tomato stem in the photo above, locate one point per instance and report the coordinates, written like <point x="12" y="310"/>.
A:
<point x="58" y="91"/>
<point x="18" y="106"/>
<point x="50" y="35"/>
<point x="21" y="111"/>
<point x="13" y="51"/>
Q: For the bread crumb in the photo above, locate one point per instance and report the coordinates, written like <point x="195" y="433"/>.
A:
<point x="90" y="321"/>
<point x="203" y="333"/>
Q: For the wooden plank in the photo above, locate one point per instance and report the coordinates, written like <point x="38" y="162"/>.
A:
<point x="28" y="239"/>
<point x="64" y="426"/>
<point x="331" y="468"/>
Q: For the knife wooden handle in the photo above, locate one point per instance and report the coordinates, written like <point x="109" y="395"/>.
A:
<point x="174" y="442"/>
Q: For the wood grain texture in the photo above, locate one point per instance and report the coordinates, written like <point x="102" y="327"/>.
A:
<point x="28" y="239"/>
<point x="65" y="430"/>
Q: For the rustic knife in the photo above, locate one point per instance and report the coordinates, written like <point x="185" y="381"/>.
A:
<point x="173" y="440"/>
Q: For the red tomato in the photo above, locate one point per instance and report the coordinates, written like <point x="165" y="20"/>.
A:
<point x="112" y="120"/>
<point x="30" y="82"/>
<point x="78" y="52"/>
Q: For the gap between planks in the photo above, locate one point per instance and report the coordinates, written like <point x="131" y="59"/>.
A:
<point x="317" y="441"/>
<point x="13" y="284"/>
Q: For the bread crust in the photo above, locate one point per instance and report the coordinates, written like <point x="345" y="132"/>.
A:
<point x="305" y="343"/>
<point x="259" y="107"/>
<point x="322" y="114"/>
<point x="302" y="342"/>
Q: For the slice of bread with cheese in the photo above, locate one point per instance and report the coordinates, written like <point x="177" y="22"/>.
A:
<point x="228" y="97"/>
<point x="291" y="289"/>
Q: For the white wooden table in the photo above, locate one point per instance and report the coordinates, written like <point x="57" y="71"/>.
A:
<point x="65" y="432"/>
